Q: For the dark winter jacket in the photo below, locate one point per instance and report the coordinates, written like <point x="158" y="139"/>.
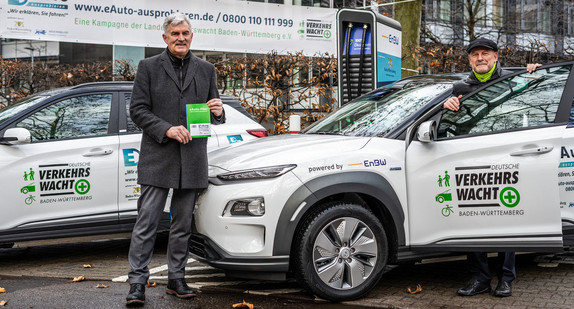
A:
<point x="470" y="83"/>
<point x="159" y="102"/>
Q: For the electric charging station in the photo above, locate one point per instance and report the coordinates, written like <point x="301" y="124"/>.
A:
<point x="369" y="52"/>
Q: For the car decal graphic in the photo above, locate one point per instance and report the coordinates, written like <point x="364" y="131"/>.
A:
<point x="326" y="168"/>
<point x="55" y="183"/>
<point x="234" y="138"/>
<point x="131" y="190"/>
<point x="481" y="190"/>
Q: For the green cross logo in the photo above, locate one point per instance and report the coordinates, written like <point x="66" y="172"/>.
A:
<point x="326" y="34"/>
<point x="82" y="186"/>
<point x="509" y="197"/>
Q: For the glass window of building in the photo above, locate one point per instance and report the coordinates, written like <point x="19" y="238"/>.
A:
<point x="529" y="18"/>
<point x="498" y="14"/>
<point x="431" y="13"/>
<point x="316" y="3"/>
<point x="546" y="16"/>
<point x="571" y="19"/>
<point x="444" y="10"/>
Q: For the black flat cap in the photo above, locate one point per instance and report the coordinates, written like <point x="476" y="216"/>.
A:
<point x="482" y="42"/>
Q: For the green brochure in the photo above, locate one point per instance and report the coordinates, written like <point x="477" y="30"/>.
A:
<point x="198" y="120"/>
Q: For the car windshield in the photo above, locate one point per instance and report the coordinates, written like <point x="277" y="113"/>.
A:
<point x="377" y="113"/>
<point x="9" y="112"/>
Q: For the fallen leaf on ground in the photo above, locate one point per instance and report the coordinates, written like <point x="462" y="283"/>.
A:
<point x="243" y="305"/>
<point x="79" y="278"/>
<point x="151" y="284"/>
<point x="102" y="286"/>
<point x="3" y="303"/>
<point x="2" y="290"/>
<point x="417" y="290"/>
<point x="88" y="265"/>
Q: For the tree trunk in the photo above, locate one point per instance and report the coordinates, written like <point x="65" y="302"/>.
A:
<point x="408" y="14"/>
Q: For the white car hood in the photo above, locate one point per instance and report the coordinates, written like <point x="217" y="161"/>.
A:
<point x="281" y="149"/>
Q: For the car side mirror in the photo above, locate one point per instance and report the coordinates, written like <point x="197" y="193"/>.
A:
<point x="16" y="136"/>
<point x="427" y="131"/>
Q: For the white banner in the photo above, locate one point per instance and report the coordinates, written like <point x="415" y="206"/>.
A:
<point x="218" y="25"/>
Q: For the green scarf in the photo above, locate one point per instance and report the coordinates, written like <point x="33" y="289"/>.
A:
<point x="484" y="77"/>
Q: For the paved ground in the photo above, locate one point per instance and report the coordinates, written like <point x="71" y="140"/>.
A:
<point x="544" y="281"/>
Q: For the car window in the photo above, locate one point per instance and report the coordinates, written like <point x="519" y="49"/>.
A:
<point x="80" y="116"/>
<point x="12" y="110"/>
<point x="523" y="101"/>
<point x="132" y="127"/>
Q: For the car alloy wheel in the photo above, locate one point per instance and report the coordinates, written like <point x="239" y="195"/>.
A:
<point x="342" y="252"/>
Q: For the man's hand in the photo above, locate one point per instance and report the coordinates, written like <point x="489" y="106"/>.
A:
<point x="216" y="107"/>
<point x="453" y="103"/>
<point x="531" y="67"/>
<point x="179" y="133"/>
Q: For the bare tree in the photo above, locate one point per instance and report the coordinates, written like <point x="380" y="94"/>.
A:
<point x="272" y="86"/>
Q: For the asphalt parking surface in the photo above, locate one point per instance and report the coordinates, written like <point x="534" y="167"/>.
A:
<point x="42" y="273"/>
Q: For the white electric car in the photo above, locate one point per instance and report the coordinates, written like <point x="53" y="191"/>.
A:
<point x="69" y="158"/>
<point x="393" y="177"/>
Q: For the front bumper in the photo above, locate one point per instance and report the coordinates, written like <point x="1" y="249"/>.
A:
<point x="205" y="250"/>
<point x="240" y="243"/>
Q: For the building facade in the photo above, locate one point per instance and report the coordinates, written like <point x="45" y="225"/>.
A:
<point x="530" y="24"/>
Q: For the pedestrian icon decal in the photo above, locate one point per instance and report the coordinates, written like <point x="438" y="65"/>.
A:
<point x="444" y="180"/>
<point x="29" y="176"/>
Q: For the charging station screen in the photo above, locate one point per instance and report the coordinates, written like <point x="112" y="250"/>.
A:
<point x="357" y="41"/>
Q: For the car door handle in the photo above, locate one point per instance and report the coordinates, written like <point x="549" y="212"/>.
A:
<point x="98" y="152"/>
<point x="532" y="151"/>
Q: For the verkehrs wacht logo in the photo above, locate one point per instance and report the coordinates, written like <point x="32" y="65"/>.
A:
<point x="48" y="4"/>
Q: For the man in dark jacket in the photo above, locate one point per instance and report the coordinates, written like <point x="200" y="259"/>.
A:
<point x="483" y="59"/>
<point x="169" y="157"/>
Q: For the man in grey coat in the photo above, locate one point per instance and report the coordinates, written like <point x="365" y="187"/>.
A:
<point x="169" y="156"/>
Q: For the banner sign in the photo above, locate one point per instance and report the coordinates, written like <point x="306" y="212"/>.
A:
<point x="218" y="25"/>
<point x="388" y="54"/>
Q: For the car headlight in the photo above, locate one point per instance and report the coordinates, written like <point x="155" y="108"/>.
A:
<point x="245" y="207"/>
<point x="258" y="173"/>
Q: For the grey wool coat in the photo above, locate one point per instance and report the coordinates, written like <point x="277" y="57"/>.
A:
<point x="159" y="102"/>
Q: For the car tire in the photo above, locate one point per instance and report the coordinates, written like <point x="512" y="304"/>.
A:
<point x="340" y="252"/>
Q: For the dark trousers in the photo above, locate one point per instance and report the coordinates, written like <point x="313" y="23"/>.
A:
<point x="479" y="269"/>
<point x="150" y="208"/>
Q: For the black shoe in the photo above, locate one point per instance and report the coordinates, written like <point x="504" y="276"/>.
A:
<point x="503" y="289"/>
<point x="474" y="287"/>
<point x="136" y="296"/>
<point x="179" y="288"/>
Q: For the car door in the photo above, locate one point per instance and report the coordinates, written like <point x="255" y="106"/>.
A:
<point x="67" y="176"/>
<point x="566" y="172"/>
<point x="130" y="138"/>
<point x="489" y="180"/>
